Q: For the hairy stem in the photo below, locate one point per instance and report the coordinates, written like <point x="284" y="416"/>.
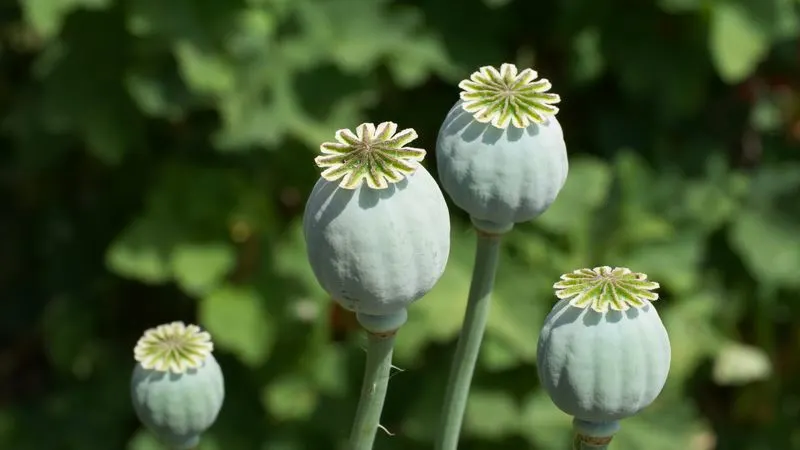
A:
<point x="469" y="341"/>
<point x="373" y="391"/>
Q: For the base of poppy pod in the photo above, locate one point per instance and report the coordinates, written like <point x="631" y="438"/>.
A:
<point x="489" y="227"/>
<point x="382" y="324"/>
<point x="593" y="435"/>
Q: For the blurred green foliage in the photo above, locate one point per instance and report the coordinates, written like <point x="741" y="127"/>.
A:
<point x="157" y="154"/>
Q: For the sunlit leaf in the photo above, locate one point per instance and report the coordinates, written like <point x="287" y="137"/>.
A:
<point x="762" y="242"/>
<point x="738" y="364"/>
<point x="691" y="333"/>
<point x="290" y="398"/>
<point x="200" y="267"/>
<point x="144" y="440"/>
<point x="239" y="323"/>
<point x="737" y="42"/>
<point x="143" y="251"/>
<point x="585" y="190"/>
<point x="47" y="16"/>
<point x="543" y="424"/>
<point x="491" y="415"/>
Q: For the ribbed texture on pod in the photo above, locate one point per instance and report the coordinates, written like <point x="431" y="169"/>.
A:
<point x="377" y="251"/>
<point x="178" y="408"/>
<point x="500" y="176"/>
<point x="603" y="367"/>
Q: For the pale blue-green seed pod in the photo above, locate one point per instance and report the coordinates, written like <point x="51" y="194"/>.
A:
<point x="376" y="225"/>
<point x="500" y="152"/>
<point x="177" y="388"/>
<point x="603" y="353"/>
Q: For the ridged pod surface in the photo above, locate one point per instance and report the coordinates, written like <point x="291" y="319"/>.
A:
<point x="377" y="239"/>
<point x="177" y="387"/>
<point x="603" y="353"/>
<point x="500" y="151"/>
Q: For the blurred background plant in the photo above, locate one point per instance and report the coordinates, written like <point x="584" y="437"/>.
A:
<point x="156" y="157"/>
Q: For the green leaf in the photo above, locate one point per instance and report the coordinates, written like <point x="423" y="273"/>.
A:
<point x="329" y="371"/>
<point x="238" y="322"/>
<point x="586" y="190"/>
<point x="252" y="32"/>
<point x="258" y="114"/>
<point x="679" y="6"/>
<point x="291" y="260"/>
<point x="144" y="440"/>
<point x="290" y="397"/>
<point x="206" y="72"/>
<point x="738" y="364"/>
<point x="496" y="355"/>
<point x="543" y="424"/>
<point x="142" y="251"/>
<point x="737" y="42"/>
<point x="767" y="115"/>
<point x="520" y="302"/>
<point x="710" y="205"/>
<point x="667" y="424"/>
<point x="417" y="58"/>
<point x="67" y="327"/>
<point x="491" y="415"/>
<point x="48" y="16"/>
<point x="82" y="91"/>
<point x="762" y="238"/>
<point x="201" y="22"/>
<point x="692" y="336"/>
<point x="200" y="267"/>
<point x="589" y="61"/>
<point x="674" y="263"/>
<point x="158" y="91"/>
<point x="422" y="419"/>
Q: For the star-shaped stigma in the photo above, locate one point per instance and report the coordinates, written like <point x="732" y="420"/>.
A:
<point x="377" y="155"/>
<point x="508" y="97"/>
<point x="173" y="347"/>
<point x="604" y="288"/>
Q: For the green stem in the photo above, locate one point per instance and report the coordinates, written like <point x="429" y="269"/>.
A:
<point x="593" y="435"/>
<point x="469" y="341"/>
<point x="373" y="391"/>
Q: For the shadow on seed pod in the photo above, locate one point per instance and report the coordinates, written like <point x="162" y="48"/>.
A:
<point x="603" y="353"/>
<point x="177" y="387"/>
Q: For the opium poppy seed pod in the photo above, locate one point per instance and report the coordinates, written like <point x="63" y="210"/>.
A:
<point x="376" y="224"/>
<point x="500" y="152"/>
<point x="377" y="232"/>
<point x="177" y="386"/>
<point x="603" y="353"/>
